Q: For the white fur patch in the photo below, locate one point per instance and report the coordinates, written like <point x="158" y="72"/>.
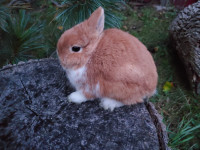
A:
<point x="77" y="97"/>
<point x="108" y="103"/>
<point x="155" y="92"/>
<point x="76" y="75"/>
<point x="97" y="90"/>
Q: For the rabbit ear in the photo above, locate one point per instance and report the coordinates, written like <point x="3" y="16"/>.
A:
<point x="96" y="20"/>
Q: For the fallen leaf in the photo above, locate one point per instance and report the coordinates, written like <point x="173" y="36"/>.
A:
<point x="125" y="27"/>
<point x="156" y="49"/>
<point x="60" y="27"/>
<point x="167" y="86"/>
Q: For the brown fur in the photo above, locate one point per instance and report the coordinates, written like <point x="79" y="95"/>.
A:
<point x="114" y="59"/>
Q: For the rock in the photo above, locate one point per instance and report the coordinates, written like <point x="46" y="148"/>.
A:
<point x="185" y="34"/>
<point x="35" y="113"/>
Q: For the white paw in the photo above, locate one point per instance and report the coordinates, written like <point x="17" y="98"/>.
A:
<point x="77" y="97"/>
<point x="108" y="103"/>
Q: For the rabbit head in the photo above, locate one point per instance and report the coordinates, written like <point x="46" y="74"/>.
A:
<point x="77" y="44"/>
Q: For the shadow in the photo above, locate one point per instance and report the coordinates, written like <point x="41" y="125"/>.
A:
<point x="179" y="67"/>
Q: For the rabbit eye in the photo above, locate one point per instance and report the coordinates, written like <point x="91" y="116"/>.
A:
<point x="76" y="48"/>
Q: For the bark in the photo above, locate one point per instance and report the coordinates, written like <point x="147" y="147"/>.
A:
<point x="35" y="113"/>
<point x="185" y="34"/>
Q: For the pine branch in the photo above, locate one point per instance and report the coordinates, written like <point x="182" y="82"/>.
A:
<point x="57" y="4"/>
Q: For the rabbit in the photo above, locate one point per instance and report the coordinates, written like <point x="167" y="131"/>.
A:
<point x="110" y="64"/>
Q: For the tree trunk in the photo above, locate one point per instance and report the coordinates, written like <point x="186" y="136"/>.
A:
<point x="185" y="34"/>
<point x="35" y="114"/>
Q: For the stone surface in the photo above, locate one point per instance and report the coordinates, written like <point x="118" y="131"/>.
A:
<point x="35" y="114"/>
<point x="185" y="33"/>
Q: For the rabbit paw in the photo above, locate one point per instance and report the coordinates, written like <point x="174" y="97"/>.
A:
<point x="77" y="97"/>
<point x="108" y="103"/>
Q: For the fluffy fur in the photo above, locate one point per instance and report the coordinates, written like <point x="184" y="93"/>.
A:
<point x="116" y="65"/>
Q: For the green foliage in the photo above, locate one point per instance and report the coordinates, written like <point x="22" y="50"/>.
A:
<point x="20" y="38"/>
<point x="72" y="12"/>
<point x="34" y="33"/>
<point x="62" y="15"/>
<point x="150" y="26"/>
<point x="185" y="133"/>
<point x="3" y="15"/>
<point x="51" y="35"/>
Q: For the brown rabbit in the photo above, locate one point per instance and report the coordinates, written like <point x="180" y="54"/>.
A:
<point x="108" y="64"/>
